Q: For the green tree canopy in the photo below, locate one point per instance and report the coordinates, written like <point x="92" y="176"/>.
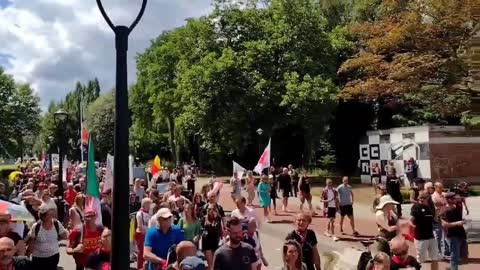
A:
<point x="19" y="114"/>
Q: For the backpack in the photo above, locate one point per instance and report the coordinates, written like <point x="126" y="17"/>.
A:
<point x="365" y="262"/>
<point x="37" y="225"/>
<point x="36" y="229"/>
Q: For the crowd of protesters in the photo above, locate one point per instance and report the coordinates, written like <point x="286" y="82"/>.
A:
<point x="182" y="228"/>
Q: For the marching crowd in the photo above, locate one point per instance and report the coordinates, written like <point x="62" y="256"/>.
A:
<point x="185" y="229"/>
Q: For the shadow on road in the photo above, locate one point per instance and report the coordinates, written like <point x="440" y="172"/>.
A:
<point x="284" y="221"/>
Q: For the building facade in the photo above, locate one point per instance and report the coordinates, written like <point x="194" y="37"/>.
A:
<point x="447" y="153"/>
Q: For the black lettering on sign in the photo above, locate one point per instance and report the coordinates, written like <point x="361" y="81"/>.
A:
<point x="364" y="152"/>
<point x="374" y="151"/>
<point x="365" y="166"/>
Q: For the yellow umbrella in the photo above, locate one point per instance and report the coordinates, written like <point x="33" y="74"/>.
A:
<point x="14" y="175"/>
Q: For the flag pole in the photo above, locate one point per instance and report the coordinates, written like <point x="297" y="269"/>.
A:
<point x="81" y="128"/>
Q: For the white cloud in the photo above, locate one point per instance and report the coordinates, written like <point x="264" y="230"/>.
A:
<point x="53" y="43"/>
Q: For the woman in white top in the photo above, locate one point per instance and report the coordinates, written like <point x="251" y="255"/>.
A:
<point x="142" y="219"/>
<point x="387" y="221"/>
<point x="43" y="239"/>
<point x="76" y="211"/>
<point x="243" y="212"/>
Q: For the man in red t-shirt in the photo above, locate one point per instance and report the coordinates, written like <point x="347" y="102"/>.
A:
<point x="70" y="194"/>
<point x="84" y="240"/>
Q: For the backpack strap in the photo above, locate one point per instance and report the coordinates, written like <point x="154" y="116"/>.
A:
<point x="79" y="214"/>
<point x="36" y="228"/>
<point x="56" y="223"/>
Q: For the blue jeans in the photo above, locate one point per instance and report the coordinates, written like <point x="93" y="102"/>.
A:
<point x="456" y="244"/>
<point x="439" y="236"/>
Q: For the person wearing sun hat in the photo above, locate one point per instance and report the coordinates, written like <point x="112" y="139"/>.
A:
<point x="386" y="220"/>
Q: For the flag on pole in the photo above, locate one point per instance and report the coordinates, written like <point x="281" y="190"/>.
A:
<point x="130" y="171"/>
<point x="156" y="166"/>
<point x="264" y="161"/>
<point x="238" y="170"/>
<point x="93" y="187"/>
<point x="44" y="163"/>
<point x="65" y="166"/>
<point x="108" y="174"/>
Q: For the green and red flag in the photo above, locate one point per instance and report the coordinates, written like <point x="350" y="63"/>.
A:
<point x="93" y="186"/>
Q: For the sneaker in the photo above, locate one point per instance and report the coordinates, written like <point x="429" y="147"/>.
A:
<point x="327" y="234"/>
<point x="335" y="238"/>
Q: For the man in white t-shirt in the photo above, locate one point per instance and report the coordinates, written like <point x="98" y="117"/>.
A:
<point x="330" y="198"/>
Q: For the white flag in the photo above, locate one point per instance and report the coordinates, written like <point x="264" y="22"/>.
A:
<point x="65" y="165"/>
<point x="264" y="161"/>
<point x="108" y="174"/>
<point x="130" y="169"/>
<point x="238" y="170"/>
<point x="55" y="160"/>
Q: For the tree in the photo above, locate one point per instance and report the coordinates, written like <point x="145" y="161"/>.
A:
<point x="19" y="114"/>
<point x="101" y="123"/>
<point x="217" y="79"/>
<point x="79" y="98"/>
<point x="409" y="61"/>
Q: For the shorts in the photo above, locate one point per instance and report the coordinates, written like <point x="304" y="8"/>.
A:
<point x="305" y="196"/>
<point x="429" y="246"/>
<point x="286" y="193"/>
<point x="331" y="212"/>
<point x="346" y="210"/>
<point x="209" y="243"/>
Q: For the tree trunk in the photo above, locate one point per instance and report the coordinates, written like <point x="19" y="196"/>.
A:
<point x="307" y="152"/>
<point x="171" y="131"/>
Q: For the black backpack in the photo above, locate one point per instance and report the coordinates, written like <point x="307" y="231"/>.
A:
<point x="364" y="261"/>
<point x="37" y="225"/>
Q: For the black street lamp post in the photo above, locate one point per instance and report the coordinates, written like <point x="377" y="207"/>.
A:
<point x="259" y="132"/>
<point x="60" y="117"/>
<point x="120" y="217"/>
<point x="50" y="152"/>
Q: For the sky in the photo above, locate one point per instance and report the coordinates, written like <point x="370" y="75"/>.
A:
<point x="52" y="44"/>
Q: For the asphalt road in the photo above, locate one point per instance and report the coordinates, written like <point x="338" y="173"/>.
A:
<point x="272" y="236"/>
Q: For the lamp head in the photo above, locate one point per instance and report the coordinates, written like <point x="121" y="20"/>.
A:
<point x="60" y="116"/>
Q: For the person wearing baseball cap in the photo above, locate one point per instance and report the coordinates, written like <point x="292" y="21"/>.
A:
<point x="455" y="232"/>
<point x="160" y="239"/>
<point x="84" y="240"/>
